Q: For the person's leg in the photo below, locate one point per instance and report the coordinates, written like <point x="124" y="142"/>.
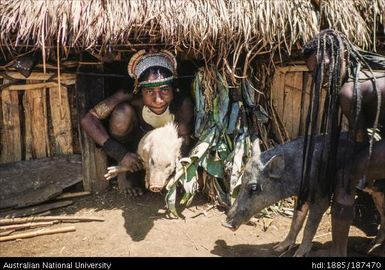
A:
<point x="342" y="217"/>
<point x="379" y="202"/>
<point x="123" y="127"/>
<point x="295" y="227"/>
<point x="343" y="201"/>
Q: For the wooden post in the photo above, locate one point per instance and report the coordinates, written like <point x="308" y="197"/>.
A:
<point x="36" y="124"/>
<point x="292" y="102"/>
<point x="61" y="120"/>
<point x="90" y="91"/>
<point x="11" y="138"/>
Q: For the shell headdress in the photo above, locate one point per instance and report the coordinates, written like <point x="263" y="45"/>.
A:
<point x="141" y="61"/>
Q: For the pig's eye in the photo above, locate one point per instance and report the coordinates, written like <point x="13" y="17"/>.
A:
<point x="255" y="188"/>
<point x="168" y="165"/>
<point x="152" y="161"/>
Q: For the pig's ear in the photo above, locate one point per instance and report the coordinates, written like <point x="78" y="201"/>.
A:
<point x="255" y="150"/>
<point x="275" y="166"/>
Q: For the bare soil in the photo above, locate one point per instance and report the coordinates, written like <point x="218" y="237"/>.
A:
<point x="140" y="227"/>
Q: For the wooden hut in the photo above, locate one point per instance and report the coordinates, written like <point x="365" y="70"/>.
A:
<point x="78" y="52"/>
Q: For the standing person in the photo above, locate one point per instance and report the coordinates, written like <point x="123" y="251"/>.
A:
<point x="355" y="84"/>
<point x="154" y="101"/>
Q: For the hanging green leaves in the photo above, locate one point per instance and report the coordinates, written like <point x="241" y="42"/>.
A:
<point x="223" y="142"/>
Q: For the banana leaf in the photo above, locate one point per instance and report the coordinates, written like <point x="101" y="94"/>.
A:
<point x="190" y="179"/>
<point x="236" y="173"/>
<point x="203" y="144"/>
<point x="170" y="201"/>
<point x="248" y="93"/>
<point x="187" y="199"/>
<point x="233" y="117"/>
<point x="223" y="147"/>
<point x="223" y="197"/>
<point x="200" y="115"/>
<point x="221" y="103"/>
<point x="190" y="184"/>
<point x="213" y="165"/>
<point x="183" y="168"/>
<point x="262" y="115"/>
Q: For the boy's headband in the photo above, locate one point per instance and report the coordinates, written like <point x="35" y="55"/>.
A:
<point x="141" y="61"/>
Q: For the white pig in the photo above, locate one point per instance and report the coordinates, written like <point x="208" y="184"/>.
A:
<point x="159" y="150"/>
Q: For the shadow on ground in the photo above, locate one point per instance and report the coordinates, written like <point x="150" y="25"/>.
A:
<point x="358" y="246"/>
<point x="222" y="249"/>
<point x="139" y="213"/>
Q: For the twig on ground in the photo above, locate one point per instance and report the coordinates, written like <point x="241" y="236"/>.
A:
<point x="9" y="221"/>
<point x="191" y="240"/>
<point x="27" y="225"/>
<point x="38" y="233"/>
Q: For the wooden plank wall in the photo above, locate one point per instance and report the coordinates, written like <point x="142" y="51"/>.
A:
<point x="90" y="91"/>
<point x="61" y="124"/>
<point x="290" y="94"/>
<point x="36" y="128"/>
<point x="11" y="133"/>
<point x="35" y="117"/>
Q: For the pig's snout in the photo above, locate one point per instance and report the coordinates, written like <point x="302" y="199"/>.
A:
<point x="156" y="188"/>
<point x="229" y="224"/>
<point x="234" y="217"/>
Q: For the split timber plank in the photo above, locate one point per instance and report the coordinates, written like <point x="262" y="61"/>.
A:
<point x="11" y="134"/>
<point x="37" y="108"/>
<point x="25" y="176"/>
<point x="61" y="120"/>
<point x="90" y="91"/>
<point x="292" y="102"/>
<point x="27" y="129"/>
<point x="32" y="197"/>
<point x="34" y="209"/>
<point x="277" y="92"/>
<point x="286" y="114"/>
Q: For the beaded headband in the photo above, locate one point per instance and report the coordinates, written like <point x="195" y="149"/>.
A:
<point x="141" y="61"/>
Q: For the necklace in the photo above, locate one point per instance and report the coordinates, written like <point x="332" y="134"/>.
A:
<point x="157" y="120"/>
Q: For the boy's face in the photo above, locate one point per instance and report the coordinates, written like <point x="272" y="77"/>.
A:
<point x="157" y="98"/>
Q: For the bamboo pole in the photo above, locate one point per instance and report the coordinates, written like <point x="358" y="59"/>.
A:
<point x="72" y="195"/>
<point x="28" y="225"/>
<point x="4" y="233"/>
<point x="38" y="85"/>
<point x="39" y="76"/>
<point x="38" y="233"/>
<point x="9" y="221"/>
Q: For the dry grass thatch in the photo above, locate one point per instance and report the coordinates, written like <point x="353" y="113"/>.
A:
<point x="213" y="29"/>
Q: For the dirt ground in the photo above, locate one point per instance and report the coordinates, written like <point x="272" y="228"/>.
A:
<point x="139" y="227"/>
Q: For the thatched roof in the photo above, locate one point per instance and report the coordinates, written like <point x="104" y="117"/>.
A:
<point x="209" y="28"/>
